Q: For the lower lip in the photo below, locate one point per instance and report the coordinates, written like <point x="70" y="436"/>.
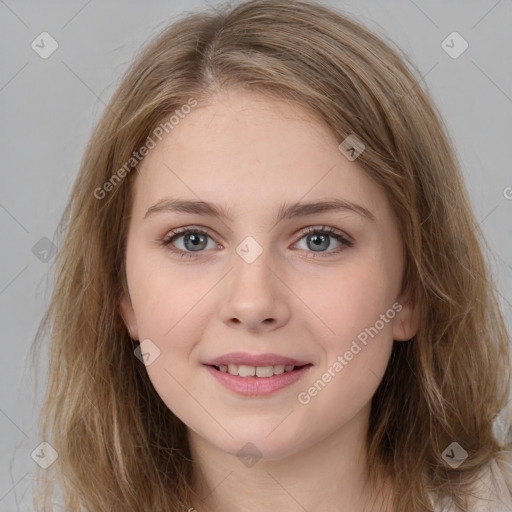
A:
<point x="257" y="386"/>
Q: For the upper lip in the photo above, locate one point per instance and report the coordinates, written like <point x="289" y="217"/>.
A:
<point x="254" y="360"/>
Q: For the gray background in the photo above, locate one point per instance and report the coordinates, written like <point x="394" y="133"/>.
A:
<point x="49" y="106"/>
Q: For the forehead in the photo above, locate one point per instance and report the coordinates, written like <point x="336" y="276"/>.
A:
<point x="251" y="151"/>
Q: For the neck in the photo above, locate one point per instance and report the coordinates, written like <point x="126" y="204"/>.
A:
<point x="329" y="475"/>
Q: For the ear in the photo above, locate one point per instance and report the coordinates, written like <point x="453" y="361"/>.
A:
<point x="128" y="314"/>
<point x="407" y="319"/>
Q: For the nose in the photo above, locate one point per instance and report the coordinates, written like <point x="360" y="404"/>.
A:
<point x="256" y="299"/>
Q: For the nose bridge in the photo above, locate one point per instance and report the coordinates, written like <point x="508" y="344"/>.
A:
<point x="252" y="263"/>
<point x="255" y="297"/>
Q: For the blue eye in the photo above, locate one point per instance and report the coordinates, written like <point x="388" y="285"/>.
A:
<point x="196" y="240"/>
<point x="321" y="238"/>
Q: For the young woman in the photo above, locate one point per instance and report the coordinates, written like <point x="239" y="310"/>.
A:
<point x="271" y="293"/>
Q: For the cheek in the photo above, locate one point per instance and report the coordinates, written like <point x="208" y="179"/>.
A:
<point x="165" y="297"/>
<point x="168" y="312"/>
<point x="347" y="302"/>
<point x="355" y="337"/>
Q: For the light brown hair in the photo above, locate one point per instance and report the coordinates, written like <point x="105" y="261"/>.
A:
<point x="119" y="446"/>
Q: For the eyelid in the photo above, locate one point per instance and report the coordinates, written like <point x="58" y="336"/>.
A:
<point x="344" y="239"/>
<point x="328" y="229"/>
<point x="302" y="232"/>
<point x="187" y="229"/>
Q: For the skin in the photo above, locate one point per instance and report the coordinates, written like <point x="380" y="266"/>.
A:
<point x="249" y="153"/>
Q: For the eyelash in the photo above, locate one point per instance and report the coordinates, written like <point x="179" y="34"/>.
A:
<point x="337" y="235"/>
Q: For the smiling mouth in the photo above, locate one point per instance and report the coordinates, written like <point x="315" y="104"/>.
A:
<point x="243" y="370"/>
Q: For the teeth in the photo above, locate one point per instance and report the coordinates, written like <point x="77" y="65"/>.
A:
<point x="244" y="370"/>
<point x="263" y="371"/>
<point x="278" y="369"/>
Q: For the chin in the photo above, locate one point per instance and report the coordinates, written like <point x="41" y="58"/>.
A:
<point x="258" y="444"/>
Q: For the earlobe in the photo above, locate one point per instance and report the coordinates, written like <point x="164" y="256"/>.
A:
<point x="128" y="315"/>
<point x="406" y="321"/>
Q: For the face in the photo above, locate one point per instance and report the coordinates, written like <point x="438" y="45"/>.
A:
<point x="317" y="290"/>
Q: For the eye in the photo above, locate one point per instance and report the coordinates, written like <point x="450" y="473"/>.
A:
<point x="319" y="238"/>
<point x="195" y="240"/>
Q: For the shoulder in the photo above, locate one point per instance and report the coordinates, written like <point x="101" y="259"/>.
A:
<point x="490" y="493"/>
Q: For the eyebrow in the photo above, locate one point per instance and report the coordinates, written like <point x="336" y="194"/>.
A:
<point x="286" y="210"/>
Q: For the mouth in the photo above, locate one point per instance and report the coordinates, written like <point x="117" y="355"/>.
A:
<point x="257" y="381"/>
<point x="243" y="370"/>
